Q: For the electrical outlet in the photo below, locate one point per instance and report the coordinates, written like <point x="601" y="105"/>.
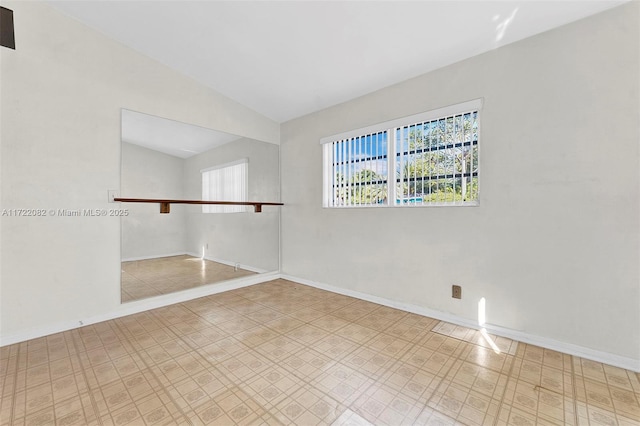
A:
<point x="456" y="292"/>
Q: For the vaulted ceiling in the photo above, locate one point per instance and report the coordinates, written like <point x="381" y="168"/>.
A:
<point x="285" y="59"/>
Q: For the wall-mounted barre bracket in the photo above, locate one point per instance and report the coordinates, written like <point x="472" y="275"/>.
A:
<point x="165" y="205"/>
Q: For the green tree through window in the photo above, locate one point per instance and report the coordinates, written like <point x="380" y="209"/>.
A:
<point x="437" y="161"/>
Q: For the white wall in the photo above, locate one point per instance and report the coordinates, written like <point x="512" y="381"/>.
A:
<point x="146" y="233"/>
<point x="553" y="246"/>
<point x="62" y="92"/>
<point x="250" y="239"/>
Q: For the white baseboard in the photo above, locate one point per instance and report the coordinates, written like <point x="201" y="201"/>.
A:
<point x="157" y="256"/>
<point x="567" y="348"/>
<point x="229" y="263"/>
<point x="138" y="306"/>
<point x="520" y="336"/>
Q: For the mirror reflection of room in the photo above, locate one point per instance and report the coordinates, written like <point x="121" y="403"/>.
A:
<point x="194" y="245"/>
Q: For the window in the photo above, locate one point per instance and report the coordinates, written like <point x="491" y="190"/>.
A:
<point x="433" y="161"/>
<point x="227" y="182"/>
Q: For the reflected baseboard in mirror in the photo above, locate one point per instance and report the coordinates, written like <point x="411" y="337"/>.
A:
<point x="164" y="275"/>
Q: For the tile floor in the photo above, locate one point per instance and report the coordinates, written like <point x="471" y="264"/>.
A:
<point x="163" y="275"/>
<point x="284" y="353"/>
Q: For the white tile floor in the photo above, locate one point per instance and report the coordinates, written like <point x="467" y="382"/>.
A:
<point x="283" y="353"/>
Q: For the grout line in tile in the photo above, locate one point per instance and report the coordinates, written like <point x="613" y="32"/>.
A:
<point x="15" y="385"/>
<point x="94" y="404"/>
<point x="574" y="391"/>
<point x="504" y="392"/>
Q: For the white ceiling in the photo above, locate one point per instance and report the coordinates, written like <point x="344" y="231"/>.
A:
<point x="169" y="136"/>
<point x="285" y="59"/>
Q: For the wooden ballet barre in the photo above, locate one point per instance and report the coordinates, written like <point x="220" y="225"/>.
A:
<point x="165" y="204"/>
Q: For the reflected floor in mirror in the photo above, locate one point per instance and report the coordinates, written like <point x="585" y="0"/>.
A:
<point x="163" y="275"/>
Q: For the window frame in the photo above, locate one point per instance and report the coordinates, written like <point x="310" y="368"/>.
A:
<point x="390" y="127"/>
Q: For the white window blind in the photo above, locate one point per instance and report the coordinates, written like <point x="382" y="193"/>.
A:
<point x="421" y="160"/>
<point x="228" y="182"/>
<point x="357" y="170"/>
<point x="437" y="161"/>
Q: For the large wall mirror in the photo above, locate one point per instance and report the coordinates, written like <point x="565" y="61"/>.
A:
<point x="192" y="246"/>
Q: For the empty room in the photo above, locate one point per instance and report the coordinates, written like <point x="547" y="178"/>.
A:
<point x="320" y="212"/>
